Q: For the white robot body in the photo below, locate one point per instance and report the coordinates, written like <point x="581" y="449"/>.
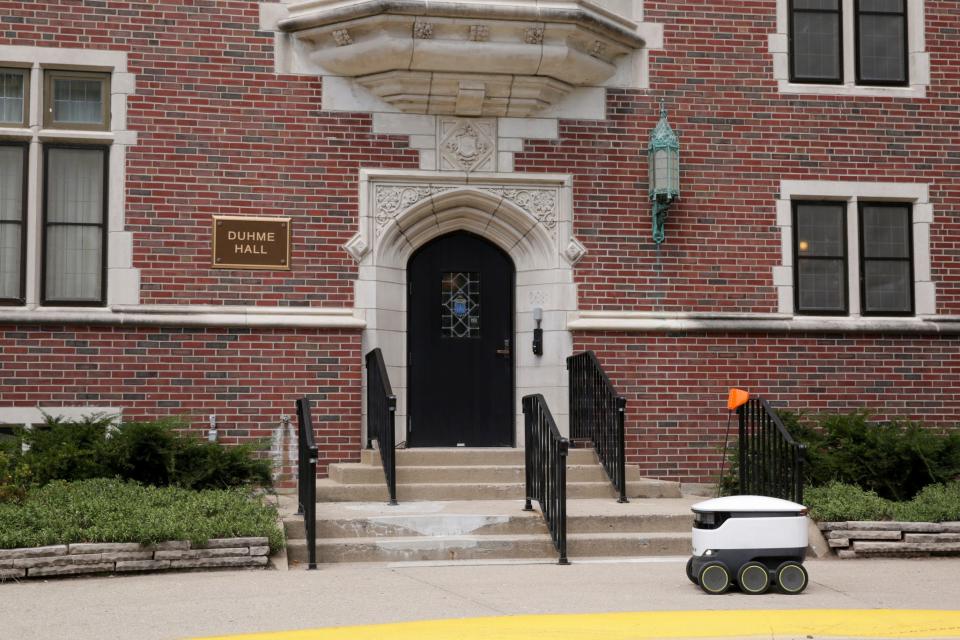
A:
<point x="730" y="533"/>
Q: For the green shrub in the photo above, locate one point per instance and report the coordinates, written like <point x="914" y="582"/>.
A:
<point x="68" y="450"/>
<point x="201" y="465"/>
<point x="144" y="451"/>
<point x="935" y="503"/>
<point x="894" y="459"/>
<point x="840" y="502"/>
<point x="147" y="452"/>
<point x="110" y="510"/>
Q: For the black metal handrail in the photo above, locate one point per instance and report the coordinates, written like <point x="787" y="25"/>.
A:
<point x="381" y="418"/>
<point x="770" y="460"/>
<point x="597" y="413"/>
<point x="546" y="469"/>
<point x="307" y="478"/>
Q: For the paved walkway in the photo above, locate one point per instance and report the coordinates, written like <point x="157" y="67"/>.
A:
<point x="194" y="605"/>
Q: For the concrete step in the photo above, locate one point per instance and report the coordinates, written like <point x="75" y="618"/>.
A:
<point x="329" y="490"/>
<point x="359" y="473"/>
<point x="410" y="525"/>
<point x="629" y="544"/>
<point x="455" y="456"/>
<point x="479" y="524"/>
<point x="421" y="548"/>
<point x="490" y="547"/>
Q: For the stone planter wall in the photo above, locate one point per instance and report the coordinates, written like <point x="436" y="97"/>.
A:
<point x="112" y="557"/>
<point x="892" y="539"/>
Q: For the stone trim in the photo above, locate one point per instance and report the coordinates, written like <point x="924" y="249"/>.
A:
<point x="35" y="415"/>
<point x="871" y="539"/>
<point x="124" y="557"/>
<point x="122" y="279"/>
<point x="189" y="316"/>
<point x="918" y="60"/>
<point x="592" y="17"/>
<point x="755" y="323"/>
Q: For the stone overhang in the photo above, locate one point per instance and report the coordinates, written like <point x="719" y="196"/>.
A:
<point x="465" y="58"/>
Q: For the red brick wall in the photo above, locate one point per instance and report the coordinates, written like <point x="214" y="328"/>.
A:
<point x="676" y="385"/>
<point x="219" y="132"/>
<point x="247" y="378"/>
<point x="739" y="137"/>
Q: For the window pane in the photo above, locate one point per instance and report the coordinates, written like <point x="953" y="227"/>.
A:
<point x="887" y="286"/>
<point x="11" y="183"/>
<point x="11" y="97"/>
<point x="77" y="100"/>
<point x="823" y="5"/>
<point x="73" y="263"/>
<point x="886" y="6"/>
<point x="820" y="230"/>
<point x="10" y="244"/>
<point x="816" y="45"/>
<point x="886" y="232"/>
<point x="881" y="51"/>
<point x="821" y="285"/>
<point x="75" y="185"/>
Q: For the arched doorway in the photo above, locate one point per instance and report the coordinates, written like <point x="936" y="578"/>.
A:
<point x="460" y="340"/>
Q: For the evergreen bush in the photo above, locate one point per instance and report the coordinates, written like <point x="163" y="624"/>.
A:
<point x="152" y="453"/>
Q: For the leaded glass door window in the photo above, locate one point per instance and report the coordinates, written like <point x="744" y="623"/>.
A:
<point x="460" y="304"/>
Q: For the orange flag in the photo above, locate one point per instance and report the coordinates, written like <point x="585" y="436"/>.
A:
<point x="736" y="398"/>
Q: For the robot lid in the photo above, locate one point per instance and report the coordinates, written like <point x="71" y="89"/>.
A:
<point x="751" y="504"/>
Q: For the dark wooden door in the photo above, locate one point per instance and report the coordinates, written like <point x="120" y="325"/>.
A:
<point x="460" y="344"/>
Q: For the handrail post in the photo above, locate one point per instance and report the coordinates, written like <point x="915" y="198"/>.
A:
<point x="307" y="456"/>
<point x="622" y="454"/>
<point x="564" y="450"/>
<point x="391" y="448"/>
<point x="528" y="452"/>
<point x="742" y="448"/>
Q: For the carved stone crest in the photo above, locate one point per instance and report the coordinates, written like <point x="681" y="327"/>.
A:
<point x="467" y="144"/>
<point x="539" y="203"/>
<point x="391" y="200"/>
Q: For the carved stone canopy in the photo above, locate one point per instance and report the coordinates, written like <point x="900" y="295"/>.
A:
<point x="464" y="57"/>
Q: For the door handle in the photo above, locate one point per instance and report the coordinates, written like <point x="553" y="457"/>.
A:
<point x="505" y="352"/>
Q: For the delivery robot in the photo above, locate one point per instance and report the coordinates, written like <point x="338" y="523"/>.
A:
<point x="754" y="542"/>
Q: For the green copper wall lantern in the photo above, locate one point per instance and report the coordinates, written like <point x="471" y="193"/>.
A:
<point x="664" y="162"/>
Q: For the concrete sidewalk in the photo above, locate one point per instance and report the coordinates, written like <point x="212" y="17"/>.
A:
<point x="184" y="605"/>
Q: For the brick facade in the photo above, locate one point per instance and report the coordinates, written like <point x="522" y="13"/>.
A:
<point x="676" y="385"/>
<point x="220" y="132"/>
<point x="247" y="378"/>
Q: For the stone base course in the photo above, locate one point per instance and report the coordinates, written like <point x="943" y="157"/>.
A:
<point x="111" y="557"/>
<point x="892" y="539"/>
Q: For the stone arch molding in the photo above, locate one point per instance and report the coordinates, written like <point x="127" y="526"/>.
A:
<point x="528" y="216"/>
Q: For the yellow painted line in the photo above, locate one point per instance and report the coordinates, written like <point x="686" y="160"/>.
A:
<point x="854" y="623"/>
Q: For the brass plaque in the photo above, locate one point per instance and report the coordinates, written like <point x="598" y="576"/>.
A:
<point x="249" y="242"/>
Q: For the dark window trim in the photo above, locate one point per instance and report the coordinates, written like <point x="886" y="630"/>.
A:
<point x="25" y="73"/>
<point x="863" y="259"/>
<point x="21" y="300"/>
<point x="906" y="46"/>
<point x="103" y="225"/>
<point x="796" y="260"/>
<point x="799" y="79"/>
<point x="49" y="75"/>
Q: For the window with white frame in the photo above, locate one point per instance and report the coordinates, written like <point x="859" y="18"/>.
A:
<point x="63" y="144"/>
<point x="851" y="47"/>
<point x="855" y="249"/>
